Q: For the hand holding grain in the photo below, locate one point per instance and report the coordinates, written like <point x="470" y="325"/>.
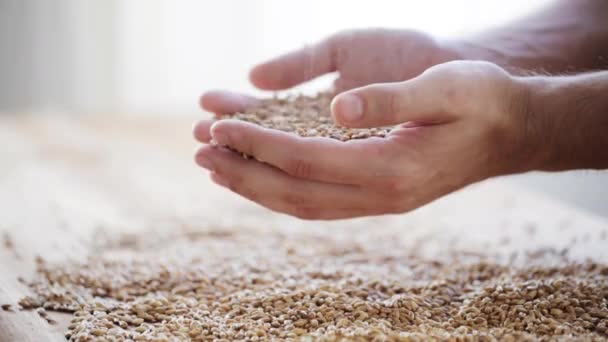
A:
<point x="456" y="123"/>
<point x="360" y="57"/>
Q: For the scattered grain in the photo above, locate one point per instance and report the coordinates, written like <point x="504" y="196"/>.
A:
<point x="8" y="241"/>
<point x="252" y="284"/>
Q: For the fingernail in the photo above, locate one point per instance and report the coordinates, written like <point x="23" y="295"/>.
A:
<point x="351" y="107"/>
<point x="219" y="180"/>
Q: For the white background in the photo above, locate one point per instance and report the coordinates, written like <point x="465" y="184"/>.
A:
<point x="157" y="56"/>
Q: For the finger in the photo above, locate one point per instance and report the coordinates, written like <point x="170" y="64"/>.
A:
<point x="302" y="212"/>
<point x="320" y="159"/>
<point x="295" y="67"/>
<point x="202" y="130"/>
<point x="225" y="102"/>
<point x="422" y="99"/>
<point x="278" y="191"/>
<point x="305" y="213"/>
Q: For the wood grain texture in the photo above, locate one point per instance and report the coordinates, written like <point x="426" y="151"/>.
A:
<point x="63" y="178"/>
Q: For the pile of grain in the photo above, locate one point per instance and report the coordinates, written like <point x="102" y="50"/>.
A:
<point x="251" y="284"/>
<point x="254" y="283"/>
<point x="305" y="116"/>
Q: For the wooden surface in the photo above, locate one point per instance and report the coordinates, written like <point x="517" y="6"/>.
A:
<point x="63" y="178"/>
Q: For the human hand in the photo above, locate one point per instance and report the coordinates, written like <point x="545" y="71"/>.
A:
<point x="360" y="57"/>
<point x="457" y="123"/>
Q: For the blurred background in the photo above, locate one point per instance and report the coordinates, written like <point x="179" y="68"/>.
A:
<point x="155" y="57"/>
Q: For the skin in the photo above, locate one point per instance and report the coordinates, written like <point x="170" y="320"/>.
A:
<point x="566" y="37"/>
<point x="572" y="114"/>
<point x="458" y="122"/>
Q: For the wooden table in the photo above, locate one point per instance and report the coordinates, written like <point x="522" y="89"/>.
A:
<point x="63" y="177"/>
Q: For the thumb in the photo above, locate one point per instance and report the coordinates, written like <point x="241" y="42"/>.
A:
<point x="387" y="104"/>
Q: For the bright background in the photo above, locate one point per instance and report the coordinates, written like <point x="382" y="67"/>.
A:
<point x="155" y="57"/>
<point x="199" y="44"/>
<point x="159" y="55"/>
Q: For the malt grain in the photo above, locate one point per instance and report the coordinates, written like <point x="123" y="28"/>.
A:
<point x="306" y="116"/>
<point x="250" y="284"/>
<point x="8" y="241"/>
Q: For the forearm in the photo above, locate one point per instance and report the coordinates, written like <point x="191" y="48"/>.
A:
<point x="567" y="118"/>
<point x="568" y="36"/>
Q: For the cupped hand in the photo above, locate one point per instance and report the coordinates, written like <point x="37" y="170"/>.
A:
<point x="456" y="123"/>
<point x="360" y="57"/>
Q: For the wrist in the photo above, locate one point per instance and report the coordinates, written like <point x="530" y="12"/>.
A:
<point x="518" y="142"/>
<point x="537" y="132"/>
<point x="569" y="117"/>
